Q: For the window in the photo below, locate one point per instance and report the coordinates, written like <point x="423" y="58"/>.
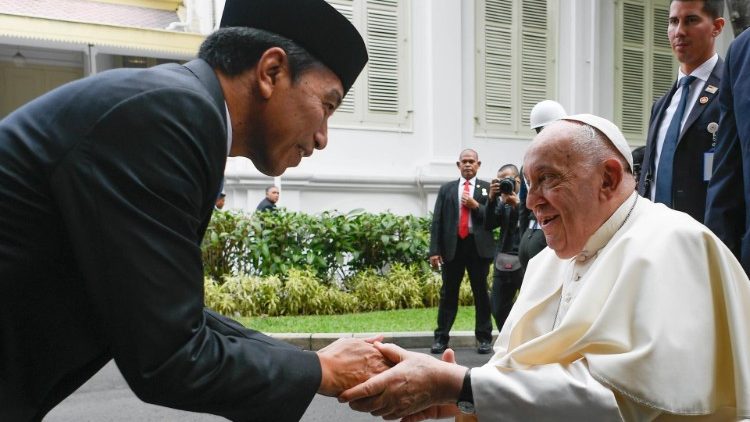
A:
<point x="645" y="68"/>
<point x="516" y="64"/>
<point x="380" y="97"/>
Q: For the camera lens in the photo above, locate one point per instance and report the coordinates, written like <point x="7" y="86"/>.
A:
<point x="507" y="185"/>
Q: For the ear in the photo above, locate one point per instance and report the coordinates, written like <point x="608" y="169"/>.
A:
<point x="718" y="26"/>
<point x="458" y="164"/>
<point x="479" y="164"/>
<point x="272" y="66"/>
<point x="612" y="177"/>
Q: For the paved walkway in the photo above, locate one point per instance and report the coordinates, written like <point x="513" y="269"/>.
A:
<point x="408" y="340"/>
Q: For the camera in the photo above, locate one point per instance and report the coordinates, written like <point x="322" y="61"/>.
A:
<point x="507" y="185"/>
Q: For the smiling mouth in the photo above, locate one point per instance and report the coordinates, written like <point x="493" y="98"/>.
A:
<point x="547" y="220"/>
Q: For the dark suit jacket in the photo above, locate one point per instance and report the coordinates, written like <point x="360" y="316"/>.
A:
<point x="265" y="204"/>
<point x="728" y="202"/>
<point x="688" y="187"/>
<point x="499" y="214"/>
<point x="444" y="230"/>
<point x="106" y="187"/>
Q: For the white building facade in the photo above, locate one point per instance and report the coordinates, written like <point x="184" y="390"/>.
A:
<point x="444" y="75"/>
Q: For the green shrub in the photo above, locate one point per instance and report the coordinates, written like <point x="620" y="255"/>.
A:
<point x="334" y="246"/>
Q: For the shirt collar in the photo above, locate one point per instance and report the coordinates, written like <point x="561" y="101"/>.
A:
<point x="604" y="234"/>
<point x="702" y="72"/>
<point x="472" y="181"/>
<point x="229" y="129"/>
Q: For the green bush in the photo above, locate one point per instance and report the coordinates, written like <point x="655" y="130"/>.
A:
<point x="334" y="246"/>
<point x="303" y="294"/>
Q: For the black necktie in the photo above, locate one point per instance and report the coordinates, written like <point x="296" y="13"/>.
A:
<point x="663" y="192"/>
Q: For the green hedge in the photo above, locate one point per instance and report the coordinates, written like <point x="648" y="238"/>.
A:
<point x="334" y="246"/>
<point x="303" y="294"/>
<point x="289" y="263"/>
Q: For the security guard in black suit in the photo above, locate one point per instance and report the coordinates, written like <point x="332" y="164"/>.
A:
<point x="460" y="243"/>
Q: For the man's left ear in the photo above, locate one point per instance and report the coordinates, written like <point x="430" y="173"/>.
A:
<point x="612" y="177"/>
<point x="718" y="26"/>
<point x="271" y="67"/>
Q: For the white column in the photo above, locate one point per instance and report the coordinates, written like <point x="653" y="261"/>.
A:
<point x="586" y="56"/>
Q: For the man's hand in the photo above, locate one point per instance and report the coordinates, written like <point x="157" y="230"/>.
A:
<point x="416" y="382"/>
<point x="494" y="189"/>
<point x="348" y="362"/>
<point x="469" y="201"/>
<point x="511" y="199"/>
<point x="436" y="261"/>
<point x="442" y="411"/>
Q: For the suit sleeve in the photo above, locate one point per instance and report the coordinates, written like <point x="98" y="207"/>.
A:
<point x="725" y="205"/>
<point x="133" y="195"/>
<point x="491" y="214"/>
<point x="436" y="226"/>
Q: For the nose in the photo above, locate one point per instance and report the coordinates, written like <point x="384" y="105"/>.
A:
<point x="533" y="198"/>
<point x="321" y="136"/>
<point x="679" y="29"/>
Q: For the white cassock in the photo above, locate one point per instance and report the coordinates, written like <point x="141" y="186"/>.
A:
<point x="651" y="321"/>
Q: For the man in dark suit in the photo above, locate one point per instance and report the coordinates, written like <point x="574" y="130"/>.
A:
<point x="679" y="133"/>
<point x="459" y="242"/>
<point x="502" y="211"/>
<point x="106" y="187"/>
<point x="728" y="203"/>
<point x="269" y="202"/>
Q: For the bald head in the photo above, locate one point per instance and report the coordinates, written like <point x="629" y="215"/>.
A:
<point x="577" y="179"/>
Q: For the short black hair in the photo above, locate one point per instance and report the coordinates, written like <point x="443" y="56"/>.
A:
<point x="713" y="8"/>
<point x="268" y="188"/>
<point x="236" y="49"/>
<point x="510" y="166"/>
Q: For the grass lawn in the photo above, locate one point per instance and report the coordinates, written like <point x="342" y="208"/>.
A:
<point x="367" y="322"/>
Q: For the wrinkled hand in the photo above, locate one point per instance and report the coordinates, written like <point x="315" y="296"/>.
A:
<point x="442" y="411"/>
<point x="348" y="362"/>
<point x="416" y="382"/>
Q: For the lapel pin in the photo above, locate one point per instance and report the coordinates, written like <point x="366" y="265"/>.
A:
<point x="711" y="89"/>
<point x="703" y="100"/>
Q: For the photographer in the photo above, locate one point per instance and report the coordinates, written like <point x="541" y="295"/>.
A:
<point x="502" y="211"/>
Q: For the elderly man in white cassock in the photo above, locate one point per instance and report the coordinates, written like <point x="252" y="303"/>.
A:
<point x="634" y="312"/>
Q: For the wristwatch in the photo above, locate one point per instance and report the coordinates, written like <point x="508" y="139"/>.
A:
<point x="465" y="401"/>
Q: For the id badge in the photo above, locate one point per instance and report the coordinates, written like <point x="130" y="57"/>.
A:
<point x="708" y="165"/>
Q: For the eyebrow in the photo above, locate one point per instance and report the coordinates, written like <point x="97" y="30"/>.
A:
<point x="335" y="96"/>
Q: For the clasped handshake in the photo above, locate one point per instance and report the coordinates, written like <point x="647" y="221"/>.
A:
<point x="391" y="382"/>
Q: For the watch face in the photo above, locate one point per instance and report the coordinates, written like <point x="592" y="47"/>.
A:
<point x="466" y="407"/>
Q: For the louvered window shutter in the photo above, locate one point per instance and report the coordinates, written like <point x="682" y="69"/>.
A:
<point x="534" y="47"/>
<point x="647" y="67"/>
<point x="346" y="8"/>
<point x="378" y="98"/>
<point x="664" y="64"/>
<point x="498" y="63"/>
<point x="633" y="63"/>
<point x="382" y="44"/>
<point x="514" y="62"/>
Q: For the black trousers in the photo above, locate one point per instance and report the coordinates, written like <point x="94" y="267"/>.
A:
<point x="467" y="259"/>
<point x="505" y="285"/>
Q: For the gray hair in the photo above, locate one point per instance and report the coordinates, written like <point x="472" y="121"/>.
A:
<point x="594" y="146"/>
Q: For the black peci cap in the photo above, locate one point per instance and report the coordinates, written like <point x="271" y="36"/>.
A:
<point x="313" y="24"/>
